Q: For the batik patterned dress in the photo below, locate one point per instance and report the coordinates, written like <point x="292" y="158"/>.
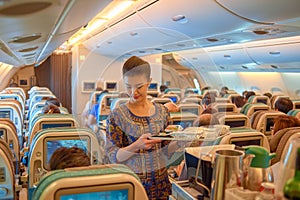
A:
<point x="124" y="128"/>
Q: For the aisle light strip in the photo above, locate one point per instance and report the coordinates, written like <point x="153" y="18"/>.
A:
<point x="99" y="20"/>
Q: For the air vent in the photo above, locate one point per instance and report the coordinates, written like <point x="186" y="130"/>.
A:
<point x="181" y="45"/>
<point x="227" y="56"/>
<point x="28" y="55"/>
<point x="28" y="49"/>
<point x="274" y="53"/>
<point x="244" y="67"/>
<point x="180" y="19"/>
<point x="274" y="66"/>
<point x="260" y="32"/>
<point x="212" y="39"/>
<point x="142" y="51"/>
<point x="25" y="39"/>
<point x="222" y="67"/>
<point x="25" y="8"/>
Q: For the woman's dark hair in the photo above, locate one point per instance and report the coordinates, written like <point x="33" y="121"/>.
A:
<point x="51" y="109"/>
<point x="53" y="101"/>
<point x="284" y="105"/>
<point x="136" y="66"/>
<point x="68" y="157"/>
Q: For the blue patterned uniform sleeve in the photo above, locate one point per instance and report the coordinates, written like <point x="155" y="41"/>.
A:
<point x="114" y="138"/>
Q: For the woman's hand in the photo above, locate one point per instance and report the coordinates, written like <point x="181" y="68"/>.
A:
<point x="145" y="143"/>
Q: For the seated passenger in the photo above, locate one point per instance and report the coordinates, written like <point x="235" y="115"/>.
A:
<point x="172" y="107"/>
<point x="209" y="110"/>
<point x="205" y="120"/>
<point x="268" y="94"/>
<point x="51" y="109"/>
<point x="284" y="121"/>
<point x="283" y="105"/>
<point x="281" y="122"/>
<point x="248" y="94"/>
<point x="162" y="88"/>
<point x="68" y="157"/>
<point x="223" y="91"/>
<point x="53" y="101"/>
<point x="239" y="101"/>
<point x="208" y="99"/>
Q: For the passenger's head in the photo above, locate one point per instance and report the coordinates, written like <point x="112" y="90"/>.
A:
<point x="283" y="105"/>
<point x="162" y="88"/>
<point x="239" y="101"/>
<point x="136" y="75"/>
<point x="249" y="94"/>
<point x="51" y="109"/>
<point x="268" y="94"/>
<point x="13" y="85"/>
<point x="53" y="101"/>
<point x="285" y="121"/>
<point x="205" y="120"/>
<point x="223" y="91"/>
<point x="68" y="157"/>
<point x="172" y="107"/>
<point x="209" y="98"/>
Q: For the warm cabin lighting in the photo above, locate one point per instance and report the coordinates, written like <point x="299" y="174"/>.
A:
<point x="114" y="9"/>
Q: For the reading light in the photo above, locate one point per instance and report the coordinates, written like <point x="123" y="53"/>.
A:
<point x="180" y="19"/>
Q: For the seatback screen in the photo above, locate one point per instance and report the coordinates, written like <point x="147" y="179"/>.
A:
<point x="113" y="194"/>
<point x="245" y="142"/>
<point x="5" y="114"/>
<point x="234" y="124"/>
<point x="56" y="125"/>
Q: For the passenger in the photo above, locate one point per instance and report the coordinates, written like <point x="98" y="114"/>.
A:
<point x="204" y="89"/>
<point x="162" y="88"/>
<point x="131" y="124"/>
<point x="239" y="101"/>
<point x="285" y="121"/>
<point x="13" y="85"/>
<point x="68" y="157"/>
<point x="268" y="94"/>
<point x="223" y="91"/>
<point x="172" y="107"/>
<point x="209" y="110"/>
<point x="93" y="116"/>
<point x="87" y="109"/>
<point x="205" y="120"/>
<point x="51" y="109"/>
<point x="208" y="99"/>
<point x="283" y="105"/>
<point x="53" y="101"/>
<point x="248" y="95"/>
<point x="281" y="122"/>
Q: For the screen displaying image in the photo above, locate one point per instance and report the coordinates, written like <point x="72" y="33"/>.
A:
<point x="104" y="195"/>
<point x="174" y="99"/>
<point x="153" y="86"/>
<point x="297" y="106"/>
<point x="111" y="85"/>
<point x="233" y="124"/>
<point x="2" y="136"/>
<point x="225" y="109"/>
<point x="270" y="123"/>
<point x="247" y="142"/>
<point x="89" y="86"/>
<point x="5" y="114"/>
<point x="53" y="125"/>
<point x="108" y="101"/>
<point x="52" y="145"/>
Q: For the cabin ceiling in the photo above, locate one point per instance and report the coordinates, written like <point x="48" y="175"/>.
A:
<point x="32" y="29"/>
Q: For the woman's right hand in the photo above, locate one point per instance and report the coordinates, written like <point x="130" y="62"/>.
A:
<point x="144" y="142"/>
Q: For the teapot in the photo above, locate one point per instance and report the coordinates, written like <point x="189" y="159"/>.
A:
<point x="257" y="170"/>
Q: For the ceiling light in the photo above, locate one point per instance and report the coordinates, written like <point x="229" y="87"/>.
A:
<point x="180" y="19"/>
<point x="118" y="8"/>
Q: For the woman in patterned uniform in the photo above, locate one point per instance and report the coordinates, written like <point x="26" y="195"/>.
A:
<point x="130" y="126"/>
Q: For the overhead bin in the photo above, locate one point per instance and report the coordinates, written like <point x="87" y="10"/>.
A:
<point x="281" y="53"/>
<point x="268" y="11"/>
<point x="192" y="18"/>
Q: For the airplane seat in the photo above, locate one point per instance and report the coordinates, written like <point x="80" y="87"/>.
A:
<point x="224" y="107"/>
<point x="222" y="100"/>
<point x="211" y="91"/>
<point x="184" y="119"/>
<point x="44" y="121"/>
<point x="280" y="139"/>
<point x="16" y="104"/>
<point x="259" y="99"/>
<point x="17" y="90"/>
<point x="8" y="133"/>
<point x="274" y="98"/>
<point x="16" y="97"/>
<point x="233" y="119"/>
<point x="45" y="142"/>
<point x="10" y="111"/>
<point x="244" y="137"/>
<point x="264" y="120"/>
<point x="231" y="96"/>
<point x="250" y="108"/>
<point x="37" y="106"/>
<point x="94" y="182"/>
<point x="190" y="107"/>
<point x="173" y="91"/>
<point x="117" y="102"/>
<point x="192" y="100"/>
<point x="7" y="186"/>
<point x="63" y="110"/>
<point x="195" y="95"/>
<point x="295" y="113"/>
<point x="174" y="97"/>
<point x="37" y="98"/>
<point x="161" y="100"/>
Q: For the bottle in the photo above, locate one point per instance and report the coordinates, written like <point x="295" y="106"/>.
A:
<point x="292" y="186"/>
